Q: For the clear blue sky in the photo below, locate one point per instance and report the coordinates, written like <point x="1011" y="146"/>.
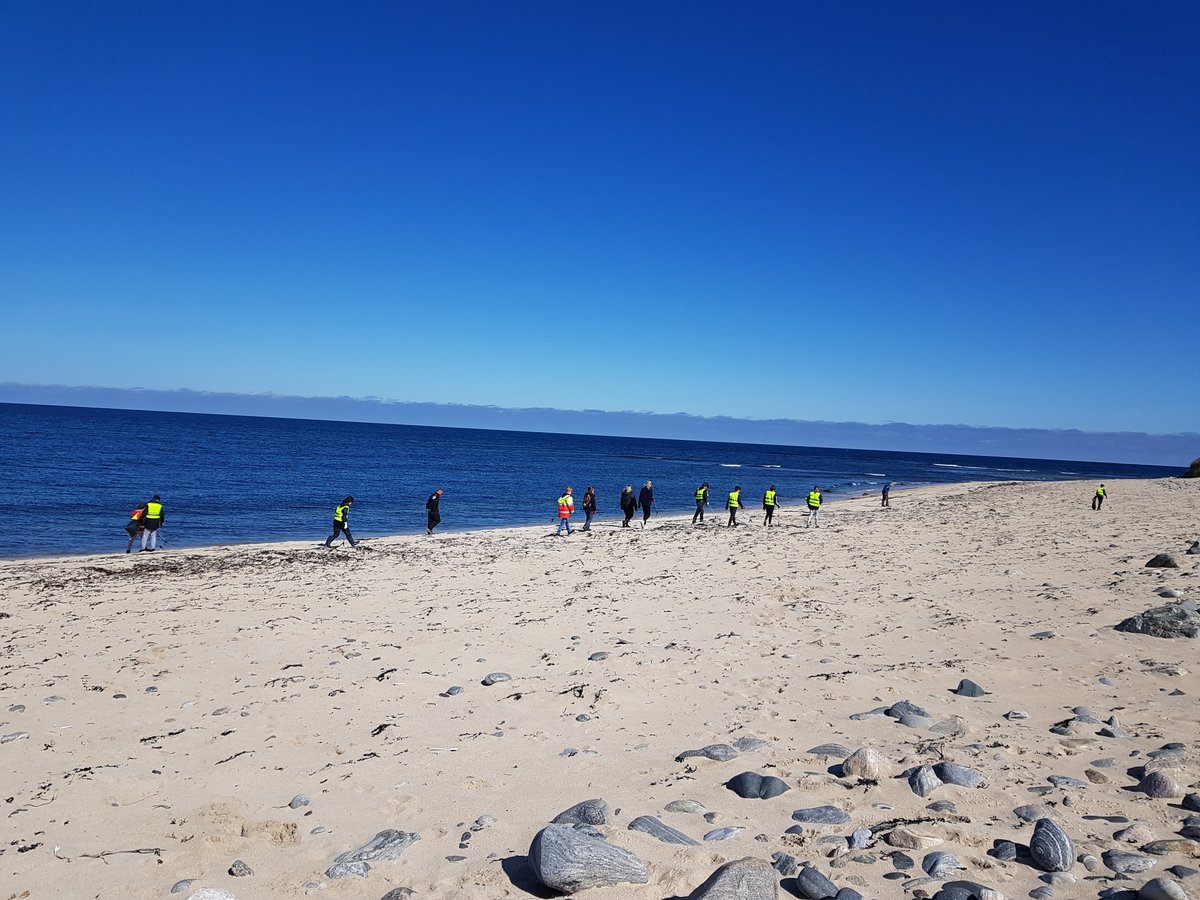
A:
<point x="931" y="212"/>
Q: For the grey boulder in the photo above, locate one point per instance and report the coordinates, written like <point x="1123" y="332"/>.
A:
<point x="1162" y="561"/>
<point x="812" y="885"/>
<point x="962" y="776"/>
<point x="903" y="708"/>
<point x="923" y="780"/>
<point x="586" y="812"/>
<point x="739" y="879"/>
<point x="1050" y="847"/>
<point x="1162" y="889"/>
<point x="717" y="752"/>
<point x="568" y="861"/>
<point x="821" y="815"/>
<point x="1125" y="863"/>
<point x="939" y="864"/>
<point x="386" y="845"/>
<point x="968" y="688"/>
<point x="753" y="786"/>
<point x="665" y="833"/>
<point x="1175" y="620"/>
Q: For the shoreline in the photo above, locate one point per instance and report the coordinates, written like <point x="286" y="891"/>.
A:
<point x="182" y="704"/>
<point x="842" y="502"/>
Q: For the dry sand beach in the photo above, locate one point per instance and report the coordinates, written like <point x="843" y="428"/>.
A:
<point x="160" y="712"/>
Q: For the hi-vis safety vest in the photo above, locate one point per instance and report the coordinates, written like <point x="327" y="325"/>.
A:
<point x="701" y="493"/>
<point x="566" y="505"/>
<point x="153" y="510"/>
<point x="137" y="514"/>
<point x="735" y="499"/>
<point x="339" y="514"/>
<point x="769" y="498"/>
<point x="1100" y="491"/>
<point x="814" y="499"/>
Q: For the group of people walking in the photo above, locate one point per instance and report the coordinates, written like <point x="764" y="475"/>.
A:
<point x="147" y="518"/>
<point x="644" y="500"/>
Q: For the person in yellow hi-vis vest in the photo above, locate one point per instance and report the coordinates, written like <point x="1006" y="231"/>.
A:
<point x="1098" y="499"/>
<point x="701" y="502"/>
<point x="733" y="504"/>
<point x="341" y="522"/>
<point x="770" y="504"/>
<point x="814" y="507"/>
<point x="566" y="506"/>
<point x="152" y="520"/>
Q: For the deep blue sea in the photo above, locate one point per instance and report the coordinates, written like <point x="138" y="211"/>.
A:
<point x="70" y="476"/>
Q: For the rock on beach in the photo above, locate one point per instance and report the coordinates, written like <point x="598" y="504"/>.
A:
<point x="739" y="879"/>
<point x="569" y="861"/>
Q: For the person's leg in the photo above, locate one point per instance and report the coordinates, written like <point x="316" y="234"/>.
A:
<point x="696" y="514"/>
<point x="153" y="538"/>
<point x="145" y="537"/>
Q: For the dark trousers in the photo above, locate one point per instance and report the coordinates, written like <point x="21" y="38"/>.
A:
<point x="698" y="515"/>
<point x="434" y="520"/>
<point x="886" y="500"/>
<point x="645" y="514"/>
<point x="732" y="517"/>
<point x="1097" y="501"/>
<point x="770" y="512"/>
<point x="629" y="511"/>
<point x="587" y="521"/>
<point x="344" y="528"/>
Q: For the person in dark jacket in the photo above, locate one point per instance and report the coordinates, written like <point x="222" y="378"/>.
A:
<point x="628" y="504"/>
<point x="431" y="507"/>
<point x="341" y="522"/>
<point x="134" y="528"/>
<point x="589" y="507"/>
<point x="645" y="501"/>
